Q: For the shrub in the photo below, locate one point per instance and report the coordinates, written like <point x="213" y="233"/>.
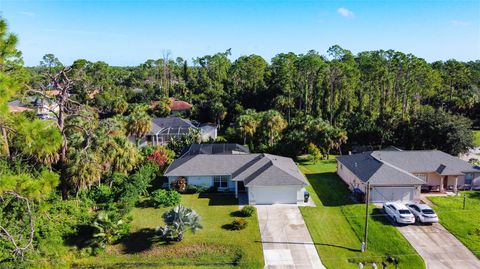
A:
<point x="180" y="184"/>
<point x="165" y="198"/>
<point x="239" y="224"/>
<point x="196" y="189"/>
<point x="247" y="211"/>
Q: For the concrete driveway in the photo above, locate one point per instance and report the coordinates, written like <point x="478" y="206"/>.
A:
<point x="438" y="247"/>
<point x="285" y="238"/>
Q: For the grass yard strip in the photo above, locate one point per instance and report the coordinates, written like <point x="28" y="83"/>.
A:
<point x="476" y="138"/>
<point x="337" y="224"/>
<point x="463" y="224"/>
<point x="211" y="247"/>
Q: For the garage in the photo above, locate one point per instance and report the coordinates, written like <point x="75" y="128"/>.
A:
<point x="273" y="195"/>
<point x="392" y="194"/>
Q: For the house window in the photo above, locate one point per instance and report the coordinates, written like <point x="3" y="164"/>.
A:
<point x="220" y="181"/>
<point x="468" y="178"/>
<point x="421" y="176"/>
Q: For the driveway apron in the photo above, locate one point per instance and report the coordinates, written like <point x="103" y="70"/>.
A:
<point x="439" y="248"/>
<point x="285" y="238"/>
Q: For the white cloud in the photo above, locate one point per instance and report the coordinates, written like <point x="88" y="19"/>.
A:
<point x="345" y="12"/>
<point x="460" y="23"/>
<point x="27" y="13"/>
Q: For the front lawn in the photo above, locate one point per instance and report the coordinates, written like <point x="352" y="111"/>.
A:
<point x="337" y="224"/>
<point x="476" y="137"/>
<point x="211" y="247"/>
<point x="464" y="224"/>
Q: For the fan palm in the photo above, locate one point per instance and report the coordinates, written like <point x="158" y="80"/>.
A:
<point x="178" y="220"/>
<point x="84" y="168"/>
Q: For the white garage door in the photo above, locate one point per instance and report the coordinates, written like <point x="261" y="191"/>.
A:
<point x="274" y="195"/>
<point x="392" y="194"/>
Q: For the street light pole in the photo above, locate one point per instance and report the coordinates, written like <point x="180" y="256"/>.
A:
<point x="367" y="201"/>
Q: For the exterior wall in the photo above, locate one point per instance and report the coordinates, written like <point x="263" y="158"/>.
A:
<point x="349" y="178"/>
<point x="203" y="181"/>
<point x="476" y="180"/>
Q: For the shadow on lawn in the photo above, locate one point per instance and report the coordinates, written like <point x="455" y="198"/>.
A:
<point x="303" y="243"/>
<point x="216" y="199"/>
<point x="140" y="241"/>
<point x="331" y="190"/>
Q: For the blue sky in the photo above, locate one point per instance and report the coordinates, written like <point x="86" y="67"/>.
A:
<point x="127" y="32"/>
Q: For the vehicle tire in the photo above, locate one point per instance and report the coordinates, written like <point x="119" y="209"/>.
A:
<point x="395" y="221"/>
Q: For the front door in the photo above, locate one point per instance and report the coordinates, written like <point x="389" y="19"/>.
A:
<point x="241" y="186"/>
<point x="445" y="183"/>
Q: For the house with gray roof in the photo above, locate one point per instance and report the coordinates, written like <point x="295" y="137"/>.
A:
<point x="265" y="178"/>
<point x="397" y="175"/>
<point x="166" y="128"/>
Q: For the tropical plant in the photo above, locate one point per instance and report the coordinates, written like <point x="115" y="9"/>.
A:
<point x="239" y="224"/>
<point x="108" y="229"/>
<point x="314" y="152"/>
<point x="165" y="198"/>
<point x="179" y="184"/>
<point x="248" y="211"/>
<point x="178" y="220"/>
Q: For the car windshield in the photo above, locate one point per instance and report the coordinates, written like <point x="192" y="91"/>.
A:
<point x="404" y="211"/>
<point x="428" y="211"/>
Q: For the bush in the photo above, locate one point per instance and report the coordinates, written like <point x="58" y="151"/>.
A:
<point x="247" y="211"/>
<point x="196" y="189"/>
<point x="165" y="198"/>
<point x="239" y="224"/>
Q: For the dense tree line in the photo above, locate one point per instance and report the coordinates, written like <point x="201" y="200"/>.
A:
<point x="372" y="92"/>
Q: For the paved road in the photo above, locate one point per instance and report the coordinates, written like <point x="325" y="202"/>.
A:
<point x="439" y="248"/>
<point x="285" y="238"/>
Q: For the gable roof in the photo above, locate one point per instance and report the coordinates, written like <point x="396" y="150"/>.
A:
<point x="253" y="169"/>
<point x="425" y="161"/>
<point x="170" y="125"/>
<point x="396" y="167"/>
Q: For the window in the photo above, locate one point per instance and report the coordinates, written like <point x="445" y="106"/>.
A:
<point x="421" y="176"/>
<point x="220" y="181"/>
<point x="468" y="178"/>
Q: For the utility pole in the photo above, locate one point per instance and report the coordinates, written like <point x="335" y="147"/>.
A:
<point x="367" y="201"/>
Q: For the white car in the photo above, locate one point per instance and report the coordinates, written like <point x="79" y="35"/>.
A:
<point x="423" y="213"/>
<point x="399" y="213"/>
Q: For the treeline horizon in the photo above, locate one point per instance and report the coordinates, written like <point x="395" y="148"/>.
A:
<point x="382" y="89"/>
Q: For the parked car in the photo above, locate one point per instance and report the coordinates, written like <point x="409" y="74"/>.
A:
<point x="423" y="213"/>
<point x="399" y="213"/>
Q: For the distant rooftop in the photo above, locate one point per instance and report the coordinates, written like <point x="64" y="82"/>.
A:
<point x="223" y="148"/>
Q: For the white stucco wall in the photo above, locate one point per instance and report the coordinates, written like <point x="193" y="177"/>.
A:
<point x="348" y="177"/>
<point x="207" y="132"/>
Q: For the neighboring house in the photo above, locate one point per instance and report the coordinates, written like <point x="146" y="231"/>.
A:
<point x="43" y="107"/>
<point x="164" y="129"/>
<point x="178" y="106"/>
<point x="266" y="178"/>
<point x="396" y="175"/>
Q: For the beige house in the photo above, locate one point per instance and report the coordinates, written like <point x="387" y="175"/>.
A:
<point x="396" y="175"/>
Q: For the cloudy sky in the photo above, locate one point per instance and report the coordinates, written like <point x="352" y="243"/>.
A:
<point x="128" y="32"/>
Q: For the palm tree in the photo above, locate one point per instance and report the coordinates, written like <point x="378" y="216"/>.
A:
<point x="177" y="220"/>
<point x="247" y="124"/>
<point x="84" y="168"/>
<point x="139" y="122"/>
<point x="274" y="123"/>
<point x="119" y="154"/>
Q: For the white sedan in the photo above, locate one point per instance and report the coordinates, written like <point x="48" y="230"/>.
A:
<point x="399" y="213"/>
<point x="423" y="213"/>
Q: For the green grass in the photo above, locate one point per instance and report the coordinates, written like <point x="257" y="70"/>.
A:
<point x="476" y="137"/>
<point x="337" y="224"/>
<point x="211" y="247"/>
<point x="464" y="224"/>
